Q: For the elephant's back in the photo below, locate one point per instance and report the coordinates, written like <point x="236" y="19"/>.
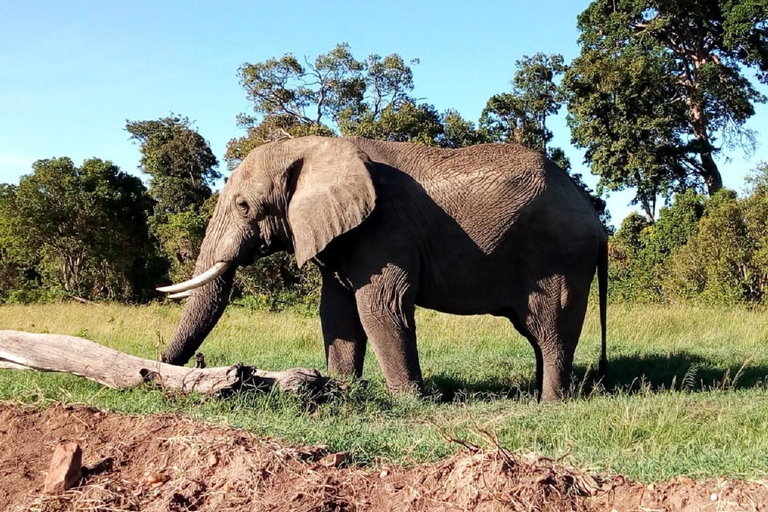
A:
<point x="491" y="191"/>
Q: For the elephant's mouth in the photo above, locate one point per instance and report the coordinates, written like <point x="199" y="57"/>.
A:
<point x="181" y="290"/>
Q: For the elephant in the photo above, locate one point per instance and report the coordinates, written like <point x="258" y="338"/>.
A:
<point x="489" y="229"/>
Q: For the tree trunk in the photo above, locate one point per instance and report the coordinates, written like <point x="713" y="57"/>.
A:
<point x="115" y="369"/>
<point x="709" y="171"/>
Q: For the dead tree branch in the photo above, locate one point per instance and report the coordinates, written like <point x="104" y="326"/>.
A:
<point x="115" y="369"/>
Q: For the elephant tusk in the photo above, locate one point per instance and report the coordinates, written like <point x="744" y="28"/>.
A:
<point x="196" y="282"/>
<point x="180" y="295"/>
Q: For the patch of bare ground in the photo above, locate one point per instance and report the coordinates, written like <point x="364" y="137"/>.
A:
<point x="170" y="463"/>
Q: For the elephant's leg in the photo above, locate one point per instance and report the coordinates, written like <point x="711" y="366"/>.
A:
<point x="342" y="332"/>
<point x="554" y="320"/>
<point x="522" y="329"/>
<point x="386" y="306"/>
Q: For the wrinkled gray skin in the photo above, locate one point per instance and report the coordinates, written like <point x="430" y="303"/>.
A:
<point x="493" y="229"/>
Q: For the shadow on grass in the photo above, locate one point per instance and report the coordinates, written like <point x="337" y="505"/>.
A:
<point x="682" y="371"/>
<point x="628" y="374"/>
<point x="447" y="387"/>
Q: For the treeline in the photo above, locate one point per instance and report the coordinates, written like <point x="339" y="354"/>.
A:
<point x="657" y="90"/>
<point x="701" y="249"/>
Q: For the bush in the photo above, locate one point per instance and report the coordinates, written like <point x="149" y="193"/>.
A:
<point x="276" y="282"/>
<point x="640" y="250"/>
<point x="710" y="250"/>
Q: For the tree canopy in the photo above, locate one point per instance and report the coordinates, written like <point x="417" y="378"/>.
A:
<point x="660" y="86"/>
<point x="79" y="227"/>
<point x="179" y="161"/>
<point x="336" y="94"/>
<point x="658" y="89"/>
<point x="520" y="116"/>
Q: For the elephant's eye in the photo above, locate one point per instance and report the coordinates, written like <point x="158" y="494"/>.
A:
<point x="242" y="206"/>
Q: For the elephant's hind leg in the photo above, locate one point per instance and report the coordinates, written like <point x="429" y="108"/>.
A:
<point x="343" y="333"/>
<point x="552" y="323"/>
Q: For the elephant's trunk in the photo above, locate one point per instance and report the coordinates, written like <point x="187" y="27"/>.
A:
<point x="203" y="309"/>
<point x="208" y="294"/>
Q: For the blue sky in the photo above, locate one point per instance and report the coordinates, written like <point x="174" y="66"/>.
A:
<point x="72" y="72"/>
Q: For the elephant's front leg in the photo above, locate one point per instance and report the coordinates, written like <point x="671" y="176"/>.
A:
<point x="342" y="332"/>
<point x="386" y="306"/>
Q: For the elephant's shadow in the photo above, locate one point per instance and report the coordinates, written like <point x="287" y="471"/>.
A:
<point x="449" y="387"/>
<point x="681" y="371"/>
<point x="626" y="374"/>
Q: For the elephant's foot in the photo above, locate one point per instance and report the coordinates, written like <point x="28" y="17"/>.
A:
<point x="555" y="383"/>
<point x="345" y="359"/>
<point x="406" y="388"/>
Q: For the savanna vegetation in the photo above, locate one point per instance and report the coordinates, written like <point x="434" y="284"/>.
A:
<point x="686" y="393"/>
<point x="657" y="92"/>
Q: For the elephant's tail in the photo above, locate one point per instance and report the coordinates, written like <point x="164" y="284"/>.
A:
<point x="602" y="288"/>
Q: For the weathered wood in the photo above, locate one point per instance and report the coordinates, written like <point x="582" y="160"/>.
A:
<point x="115" y="369"/>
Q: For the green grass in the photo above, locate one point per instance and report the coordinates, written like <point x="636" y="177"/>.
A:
<point x="686" y="393"/>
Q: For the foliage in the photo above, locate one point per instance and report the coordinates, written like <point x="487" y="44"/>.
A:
<point x="336" y="94"/>
<point x="640" y="250"/>
<point x="182" y="169"/>
<point x="181" y="236"/>
<point x="725" y="262"/>
<point x="275" y="283"/>
<point x="658" y="83"/>
<point x="709" y="250"/>
<point x="521" y="116"/>
<point x="82" y="230"/>
<point x="13" y="255"/>
<point x="402" y="122"/>
<point x="459" y="132"/>
<point x="179" y="161"/>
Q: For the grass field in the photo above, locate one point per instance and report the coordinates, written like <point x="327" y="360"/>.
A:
<point x="687" y="392"/>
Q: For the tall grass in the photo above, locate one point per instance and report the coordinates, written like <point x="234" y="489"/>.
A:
<point x="685" y="394"/>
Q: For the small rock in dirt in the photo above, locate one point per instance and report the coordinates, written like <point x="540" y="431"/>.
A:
<point x="335" y="459"/>
<point x="155" y="478"/>
<point x="66" y="468"/>
<point x="713" y="497"/>
<point x="383" y="474"/>
<point x="212" y="460"/>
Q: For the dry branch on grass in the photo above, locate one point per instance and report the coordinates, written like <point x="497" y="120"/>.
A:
<point x="112" y="368"/>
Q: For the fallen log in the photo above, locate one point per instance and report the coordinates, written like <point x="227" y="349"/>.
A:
<point x="112" y="368"/>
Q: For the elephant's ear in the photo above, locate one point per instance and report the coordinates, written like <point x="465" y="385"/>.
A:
<point x="332" y="193"/>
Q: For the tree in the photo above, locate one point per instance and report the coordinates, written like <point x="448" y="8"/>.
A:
<point x="14" y="257"/>
<point x="333" y="94"/>
<point x="521" y="115"/>
<point x="82" y="228"/>
<point x="641" y="250"/>
<point x="180" y="237"/>
<point x="459" y="132"/>
<point x="179" y="161"/>
<point x="336" y="94"/>
<point x="658" y="84"/>
<point x="402" y="122"/>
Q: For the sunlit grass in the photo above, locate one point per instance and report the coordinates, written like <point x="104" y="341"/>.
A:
<point x="686" y="391"/>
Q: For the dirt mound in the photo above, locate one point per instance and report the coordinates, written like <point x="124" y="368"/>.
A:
<point x="168" y="463"/>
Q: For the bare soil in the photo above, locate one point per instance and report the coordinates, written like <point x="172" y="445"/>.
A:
<point x="171" y="463"/>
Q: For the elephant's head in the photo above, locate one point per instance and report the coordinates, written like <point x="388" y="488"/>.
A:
<point x="296" y="195"/>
